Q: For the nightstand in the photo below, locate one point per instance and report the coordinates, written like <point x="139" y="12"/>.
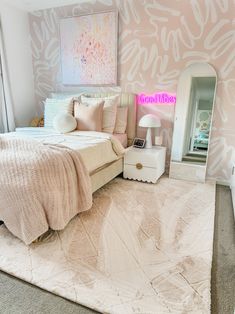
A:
<point x="146" y="164"/>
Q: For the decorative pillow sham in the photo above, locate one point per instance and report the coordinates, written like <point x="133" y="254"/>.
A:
<point x="89" y="118"/>
<point x="54" y="106"/>
<point x="64" y="123"/>
<point x="109" y="111"/>
<point x="121" y="120"/>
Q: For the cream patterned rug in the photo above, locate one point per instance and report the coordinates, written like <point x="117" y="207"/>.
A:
<point x="142" y="248"/>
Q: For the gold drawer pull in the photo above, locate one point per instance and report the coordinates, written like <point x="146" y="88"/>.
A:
<point x="139" y="166"/>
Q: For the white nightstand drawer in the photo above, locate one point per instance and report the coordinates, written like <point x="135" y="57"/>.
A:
<point x="147" y="157"/>
<point x="145" y="174"/>
<point x="145" y="165"/>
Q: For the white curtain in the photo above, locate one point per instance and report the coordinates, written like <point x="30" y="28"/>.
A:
<point x="7" y="122"/>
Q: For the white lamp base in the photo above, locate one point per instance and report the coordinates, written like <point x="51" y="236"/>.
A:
<point x="149" y="139"/>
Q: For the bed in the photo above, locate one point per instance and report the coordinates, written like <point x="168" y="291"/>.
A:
<point x="87" y="142"/>
<point x="110" y="171"/>
<point x="200" y="143"/>
<point x="107" y="149"/>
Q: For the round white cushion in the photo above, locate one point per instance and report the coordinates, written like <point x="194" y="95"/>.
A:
<point x="64" y="123"/>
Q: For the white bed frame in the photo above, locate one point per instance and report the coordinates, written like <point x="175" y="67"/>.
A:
<point x="108" y="173"/>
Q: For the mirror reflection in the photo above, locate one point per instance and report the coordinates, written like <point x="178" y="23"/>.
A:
<point x="199" y="119"/>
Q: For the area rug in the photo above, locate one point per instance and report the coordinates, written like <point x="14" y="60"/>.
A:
<point x="142" y="248"/>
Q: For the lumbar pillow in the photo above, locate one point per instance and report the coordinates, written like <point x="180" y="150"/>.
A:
<point x="64" y="123"/>
<point x="89" y="118"/>
<point x="109" y="112"/>
<point x="53" y="107"/>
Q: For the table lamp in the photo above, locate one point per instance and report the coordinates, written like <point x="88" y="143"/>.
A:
<point x="149" y="121"/>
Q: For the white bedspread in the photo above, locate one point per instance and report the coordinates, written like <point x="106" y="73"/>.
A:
<point x="96" y="148"/>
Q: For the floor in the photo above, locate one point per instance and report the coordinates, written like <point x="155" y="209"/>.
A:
<point x="20" y="297"/>
<point x="223" y="266"/>
<point x="190" y="157"/>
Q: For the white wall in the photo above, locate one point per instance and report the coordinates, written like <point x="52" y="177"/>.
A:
<point x="15" y="27"/>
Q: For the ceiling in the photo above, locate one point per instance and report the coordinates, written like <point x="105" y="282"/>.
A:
<point x="33" y="5"/>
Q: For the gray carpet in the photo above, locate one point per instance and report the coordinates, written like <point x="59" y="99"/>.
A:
<point x="18" y="297"/>
<point x="223" y="266"/>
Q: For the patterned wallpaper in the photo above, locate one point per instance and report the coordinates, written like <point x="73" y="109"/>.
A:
<point x="157" y="40"/>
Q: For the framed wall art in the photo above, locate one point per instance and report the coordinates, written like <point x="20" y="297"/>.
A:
<point x="89" y="49"/>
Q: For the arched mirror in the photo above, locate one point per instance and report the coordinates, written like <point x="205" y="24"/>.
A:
<point x="193" y="118"/>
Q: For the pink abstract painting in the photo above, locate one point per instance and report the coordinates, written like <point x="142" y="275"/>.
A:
<point x="89" y="49"/>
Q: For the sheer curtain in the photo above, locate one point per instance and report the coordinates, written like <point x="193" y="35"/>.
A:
<point x="7" y="122"/>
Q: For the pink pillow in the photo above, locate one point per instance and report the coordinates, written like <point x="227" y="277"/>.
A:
<point x="109" y="111"/>
<point x="89" y="118"/>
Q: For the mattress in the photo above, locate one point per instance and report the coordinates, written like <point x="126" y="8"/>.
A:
<point x="122" y="138"/>
<point x="96" y="148"/>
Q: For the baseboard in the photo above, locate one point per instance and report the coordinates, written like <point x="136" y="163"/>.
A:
<point x="225" y="183"/>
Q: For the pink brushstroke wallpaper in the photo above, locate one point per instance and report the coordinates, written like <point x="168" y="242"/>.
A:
<point x="157" y="40"/>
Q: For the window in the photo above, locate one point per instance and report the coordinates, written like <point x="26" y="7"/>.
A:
<point x="1" y="100"/>
<point x="4" y="119"/>
<point x="7" y="122"/>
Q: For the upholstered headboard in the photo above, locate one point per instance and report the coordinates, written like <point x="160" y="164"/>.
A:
<point x="126" y="100"/>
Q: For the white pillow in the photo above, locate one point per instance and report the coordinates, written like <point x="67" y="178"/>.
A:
<point x="109" y="111"/>
<point x="121" y="120"/>
<point x="64" y="123"/>
<point x="54" y="106"/>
